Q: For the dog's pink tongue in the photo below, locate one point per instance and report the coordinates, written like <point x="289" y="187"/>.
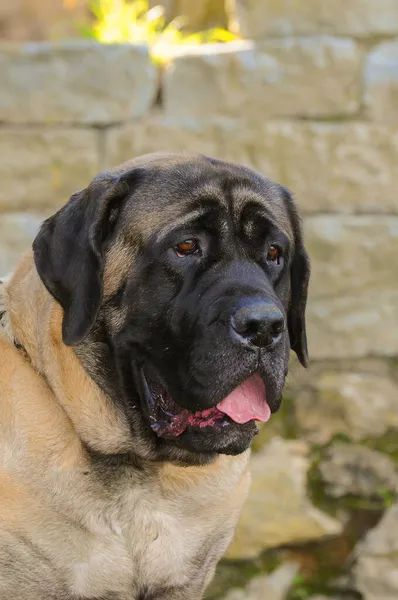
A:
<point x="247" y="402"/>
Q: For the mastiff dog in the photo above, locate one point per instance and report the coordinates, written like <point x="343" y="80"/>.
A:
<point x="140" y="341"/>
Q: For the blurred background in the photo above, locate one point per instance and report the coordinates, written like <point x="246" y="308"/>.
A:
<point x="305" y="91"/>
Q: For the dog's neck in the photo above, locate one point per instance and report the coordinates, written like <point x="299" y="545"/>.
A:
<point x="17" y="320"/>
<point x="34" y="324"/>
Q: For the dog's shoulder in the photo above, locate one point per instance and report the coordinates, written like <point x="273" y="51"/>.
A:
<point x="5" y="322"/>
<point x="11" y="360"/>
<point x="9" y="356"/>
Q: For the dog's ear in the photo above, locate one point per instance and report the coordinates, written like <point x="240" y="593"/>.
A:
<point x="299" y="280"/>
<point x="69" y="250"/>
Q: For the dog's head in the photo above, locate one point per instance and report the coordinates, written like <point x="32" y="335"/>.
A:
<point x="183" y="282"/>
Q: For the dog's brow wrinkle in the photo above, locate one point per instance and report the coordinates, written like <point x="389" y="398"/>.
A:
<point x="186" y="221"/>
<point x="271" y="210"/>
<point x="210" y="192"/>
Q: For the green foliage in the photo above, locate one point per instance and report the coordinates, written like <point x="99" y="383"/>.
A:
<point x="132" y="21"/>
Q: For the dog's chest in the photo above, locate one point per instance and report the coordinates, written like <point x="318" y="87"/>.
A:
<point x="143" y="539"/>
<point x="149" y="547"/>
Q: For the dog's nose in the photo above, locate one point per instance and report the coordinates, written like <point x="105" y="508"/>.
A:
<point x="259" y="322"/>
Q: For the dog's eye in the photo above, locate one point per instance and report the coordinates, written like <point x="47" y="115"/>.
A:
<point x="274" y="255"/>
<point x="187" y="247"/>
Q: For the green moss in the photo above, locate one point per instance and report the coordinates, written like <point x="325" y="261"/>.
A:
<point x="230" y="574"/>
<point x="304" y="588"/>
<point x="317" y="493"/>
<point x="394" y="364"/>
<point x="236" y="574"/>
<point x="315" y="484"/>
<point x="387" y="444"/>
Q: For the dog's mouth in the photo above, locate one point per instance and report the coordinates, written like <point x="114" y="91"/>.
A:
<point x="247" y="402"/>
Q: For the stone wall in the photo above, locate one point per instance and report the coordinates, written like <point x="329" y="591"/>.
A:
<point x="310" y="99"/>
<point x="317" y="113"/>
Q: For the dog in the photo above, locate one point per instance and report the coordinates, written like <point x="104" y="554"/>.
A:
<point x="141" y="339"/>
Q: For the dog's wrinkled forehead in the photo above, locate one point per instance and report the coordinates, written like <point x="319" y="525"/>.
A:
<point x="174" y="186"/>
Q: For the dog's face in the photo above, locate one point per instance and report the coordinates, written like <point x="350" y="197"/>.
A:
<point x="183" y="282"/>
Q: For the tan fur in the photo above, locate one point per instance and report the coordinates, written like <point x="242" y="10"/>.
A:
<point x="54" y="507"/>
<point x="117" y="266"/>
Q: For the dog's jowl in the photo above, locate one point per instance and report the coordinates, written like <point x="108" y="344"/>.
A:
<point x="141" y="340"/>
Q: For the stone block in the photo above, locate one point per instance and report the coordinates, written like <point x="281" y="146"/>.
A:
<point x="41" y="168"/>
<point x="222" y="138"/>
<point x="258" y="19"/>
<point x="17" y="231"/>
<point x="357" y="404"/>
<point x="353" y="290"/>
<point x="278" y="510"/>
<point x="355" y="470"/>
<point x="344" y="168"/>
<point x="275" y="586"/>
<point x="75" y="82"/>
<point x="375" y="569"/>
<point x="308" y="77"/>
<point x="381" y="83"/>
<point x="350" y="254"/>
<point x="353" y="325"/>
